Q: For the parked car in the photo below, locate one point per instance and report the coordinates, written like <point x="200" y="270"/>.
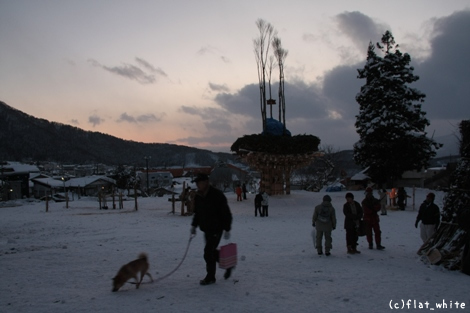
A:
<point x="57" y="197"/>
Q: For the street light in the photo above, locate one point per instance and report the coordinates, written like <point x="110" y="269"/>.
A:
<point x="147" y="158"/>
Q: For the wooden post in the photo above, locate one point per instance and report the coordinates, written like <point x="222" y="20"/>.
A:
<point x="182" y="198"/>
<point x="135" y="198"/>
<point x="47" y="202"/>
<point x="173" y="203"/>
<point x="66" y="199"/>
<point x="114" y="196"/>
<point x="99" y="198"/>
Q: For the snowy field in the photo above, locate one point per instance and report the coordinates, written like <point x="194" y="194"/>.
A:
<point x="63" y="261"/>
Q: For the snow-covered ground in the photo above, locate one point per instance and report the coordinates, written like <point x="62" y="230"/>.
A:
<point x="63" y="261"/>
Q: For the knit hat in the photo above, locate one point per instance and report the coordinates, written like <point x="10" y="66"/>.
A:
<point x="349" y="195"/>
<point x="431" y="195"/>
<point x="368" y="189"/>
<point x="327" y="198"/>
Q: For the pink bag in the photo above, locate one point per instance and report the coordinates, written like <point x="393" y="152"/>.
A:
<point x="228" y="256"/>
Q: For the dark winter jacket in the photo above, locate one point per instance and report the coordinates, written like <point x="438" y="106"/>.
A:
<point x="371" y="206"/>
<point x="351" y="220"/>
<point x="211" y="212"/>
<point x="324" y="217"/>
<point x="429" y="214"/>
<point x="258" y="199"/>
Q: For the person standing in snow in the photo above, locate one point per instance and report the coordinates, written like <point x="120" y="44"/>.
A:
<point x="258" y="199"/>
<point x="238" y="191"/>
<point x="430" y="217"/>
<point x="401" y="198"/>
<point x="244" y="191"/>
<point x="324" y="220"/>
<point x="383" y="201"/>
<point x="265" y="203"/>
<point x="352" y="217"/>
<point x="212" y="215"/>
<point x="371" y="206"/>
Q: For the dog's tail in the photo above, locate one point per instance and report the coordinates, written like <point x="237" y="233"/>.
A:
<point x="143" y="255"/>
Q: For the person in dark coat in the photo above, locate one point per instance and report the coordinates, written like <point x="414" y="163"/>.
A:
<point x="430" y="217"/>
<point x="352" y="216"/>
<point x="244" y="191"/>
<point x="258" y="199"/>
<point x="213" y="217"/>
<point x="371" y="206"/>
<point x="401" y="198"/>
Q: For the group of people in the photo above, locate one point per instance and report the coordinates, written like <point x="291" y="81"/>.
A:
<point x="213" y="217"/>
<point x="239" y="190"/>
<point x="356" y="216"/>
<point x="362" y="218"/>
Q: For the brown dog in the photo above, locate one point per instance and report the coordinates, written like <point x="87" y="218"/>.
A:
<point x="130" y="270"/>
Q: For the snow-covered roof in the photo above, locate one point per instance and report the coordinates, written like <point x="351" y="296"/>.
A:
<point x="88" y="180"/>
<point x="74" y="182"/>
<point x="361" y="175"/>
<point x="21" y="167"/>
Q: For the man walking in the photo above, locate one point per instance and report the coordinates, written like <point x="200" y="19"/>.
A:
<point x="212" y="215"/>
<point x="429" y="216"/>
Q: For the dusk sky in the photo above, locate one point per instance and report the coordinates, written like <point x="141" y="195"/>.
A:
<point x="184" y="72"/>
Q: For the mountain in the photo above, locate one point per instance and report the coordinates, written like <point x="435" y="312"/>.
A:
<point x="24" y="137"/>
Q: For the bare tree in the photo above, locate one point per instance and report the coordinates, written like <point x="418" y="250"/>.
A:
<point x="280" y="55"/>
<point x="261" y="49"/>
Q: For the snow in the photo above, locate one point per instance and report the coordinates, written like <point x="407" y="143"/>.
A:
<point x="63" y="260"/>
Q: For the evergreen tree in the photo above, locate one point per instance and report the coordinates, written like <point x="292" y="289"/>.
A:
<point x="390" y="124"/>
<point x="457" y="199"/>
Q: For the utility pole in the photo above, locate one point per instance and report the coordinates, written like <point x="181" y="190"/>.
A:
<point x="147" y="158"/>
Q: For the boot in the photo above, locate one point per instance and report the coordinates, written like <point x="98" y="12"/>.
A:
<point x="228" y="272"/>
<point x="380" y="247"/>
<point x="350" y="250"/>
<point x="207" y="281"/>
<point x="320" y="252"/>
<point x="356" y="251"/>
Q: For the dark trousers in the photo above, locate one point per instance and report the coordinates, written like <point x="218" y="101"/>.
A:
<point x="211" y="254"/>
<point x="351" y="237"/>
<point x="258" y="209"/>
<point x="374" y="225"/>
<point x="265" y="210"/>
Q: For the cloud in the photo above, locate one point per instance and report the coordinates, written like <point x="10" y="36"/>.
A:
<point x="150" y="67"/>
<point x="218" y="88"/>
<point x="74" y="122"/>
<point x="360" y="28"/>
<point x="143" y="72"/>
<point x="210" y="50"/>
<point x="444" y="75"/>
<point x="95" y="120"/>
<point x="145" y="118"/>
<point x="213" y="118"/>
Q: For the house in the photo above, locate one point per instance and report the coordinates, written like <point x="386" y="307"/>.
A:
<point x="83" y="186"/>
<point x="14" y="178"/>
<point x="156" y="178"/>
<point x="90" y="185"/>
